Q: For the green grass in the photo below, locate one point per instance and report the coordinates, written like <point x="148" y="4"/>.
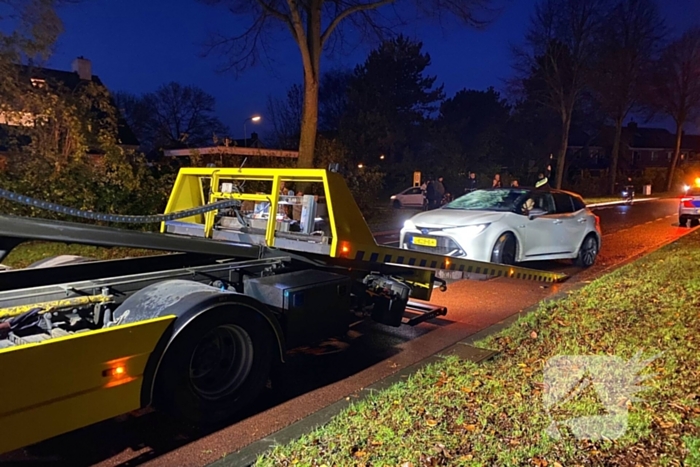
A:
<point x="28" y="253"/>
<point x="459" y="413"/>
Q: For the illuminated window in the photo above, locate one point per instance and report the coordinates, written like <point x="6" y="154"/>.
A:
<point x="38" y="83"/>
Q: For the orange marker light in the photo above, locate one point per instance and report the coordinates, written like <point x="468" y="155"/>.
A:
<point x="115" y="372"/>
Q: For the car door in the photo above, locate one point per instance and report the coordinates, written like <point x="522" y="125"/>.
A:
<point x="573" y="222"/>
<point x="542" y="234"/>
<point x="413" y="197"/>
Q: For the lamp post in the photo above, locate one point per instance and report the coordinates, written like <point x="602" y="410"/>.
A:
<point x="255" y="118"/>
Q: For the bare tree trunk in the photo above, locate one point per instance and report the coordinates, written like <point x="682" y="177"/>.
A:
<point x="676" y="154"/>
<point x="561" y="157"/>
<point x="310" y="44"/>
<point x="309" y="122"/>
<point x="615" y="155"/>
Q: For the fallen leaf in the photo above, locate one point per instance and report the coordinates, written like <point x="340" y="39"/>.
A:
<point x="406" y="464"/>
<point x="468" y="457"/>
<point x="360" y="454"/>
<point x="470" y="427"/>
<point x="533" y="334"/>
<point x="466" y="389"/>
<point x="376" y="443"/>
<point x="431" y="422"/>
<point x="556" y="464"/>
<point x="522" y="365"/>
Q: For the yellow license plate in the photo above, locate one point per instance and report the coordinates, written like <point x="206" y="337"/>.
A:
<point x="425" y="241"/>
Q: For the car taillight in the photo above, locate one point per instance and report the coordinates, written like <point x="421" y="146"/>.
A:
<point x="688" y="203"/>
<point x="597" y="222"/>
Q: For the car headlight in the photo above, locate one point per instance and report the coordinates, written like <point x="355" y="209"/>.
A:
<point x="393" y="197"/>
<point x="409" y="225"/>
<point x="469" y="231"/>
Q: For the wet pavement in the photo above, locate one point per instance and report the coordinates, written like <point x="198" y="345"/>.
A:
<point x="315" y="378"/>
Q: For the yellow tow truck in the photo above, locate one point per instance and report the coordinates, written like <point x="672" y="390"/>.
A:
<point x="248" y="271"/>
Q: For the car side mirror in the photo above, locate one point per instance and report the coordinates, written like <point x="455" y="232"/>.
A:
<point x="536" y="212"/>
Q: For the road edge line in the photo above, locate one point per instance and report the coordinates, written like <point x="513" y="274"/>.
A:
<point x="614" y="203"/>
<point x="247" y="456"/>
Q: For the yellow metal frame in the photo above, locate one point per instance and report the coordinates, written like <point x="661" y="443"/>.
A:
<point x="351" y="236"/>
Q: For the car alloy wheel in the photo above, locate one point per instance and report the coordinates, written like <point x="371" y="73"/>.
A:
<point x="504" y="251"/>
<point x="588" y="253"/>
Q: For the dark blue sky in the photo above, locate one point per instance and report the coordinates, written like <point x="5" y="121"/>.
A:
<point x="136" y="45"/>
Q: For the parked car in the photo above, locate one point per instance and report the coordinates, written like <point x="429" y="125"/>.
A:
<point x="508" y="225"/>
<point x="689" y="207"/>
<point x="410" y="197"/>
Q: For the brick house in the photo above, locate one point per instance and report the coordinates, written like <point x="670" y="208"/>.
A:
<point x="81" y="73"/>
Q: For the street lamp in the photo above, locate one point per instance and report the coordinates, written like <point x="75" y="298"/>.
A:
<point x="255" y="118"/>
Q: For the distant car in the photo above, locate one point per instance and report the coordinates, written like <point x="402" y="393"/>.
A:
<point x="689" y="207"/>
<point x="410" y="197"/>
<point x="508" y="225"/>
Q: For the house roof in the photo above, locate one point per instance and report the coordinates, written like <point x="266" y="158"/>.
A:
<point x="253" y="141"/>
<point x="71" y="80"/>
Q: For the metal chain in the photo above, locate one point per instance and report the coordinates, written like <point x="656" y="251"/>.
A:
<point x="118" y="218"/>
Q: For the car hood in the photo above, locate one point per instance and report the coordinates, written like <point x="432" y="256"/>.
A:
<point x="455" y="218"/>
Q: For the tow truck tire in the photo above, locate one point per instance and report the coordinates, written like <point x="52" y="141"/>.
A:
<point x="588" y="252"/>
<point x="216" y="366"/>
<point x="682" y="221"/>
<point x="504" y="252"/>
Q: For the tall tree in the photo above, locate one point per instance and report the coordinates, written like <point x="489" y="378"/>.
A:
<point x="172" y="116"/>
<point x="478" y="121"/>
<point x="558" y="58"/>
<point x="28" y="31"/>
<point x="285" y="116"/>
<point x="630" y="38"/>
<point x="313" y="24"/>
<point x="333" y="98"/>
<point x="390" y="100"/>
<point x="675" y="87"/>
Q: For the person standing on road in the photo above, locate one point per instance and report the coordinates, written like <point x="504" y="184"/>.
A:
<point x="472" y="184"/>
<point x="543" y="178"/>
<point x="496" y="181"/>
<point x="435" y="194"/>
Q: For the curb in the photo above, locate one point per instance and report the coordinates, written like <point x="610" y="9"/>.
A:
<point x="247" y="456"/>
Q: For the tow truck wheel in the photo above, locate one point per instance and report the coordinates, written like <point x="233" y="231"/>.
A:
<point x="217" y="365"/>
<point x="504" y="250"/>
<point x="682" y="221"/>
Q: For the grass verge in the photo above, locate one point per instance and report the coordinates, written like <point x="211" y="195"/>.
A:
<point x="30" y="252"/>
<point x="459" y="413"/>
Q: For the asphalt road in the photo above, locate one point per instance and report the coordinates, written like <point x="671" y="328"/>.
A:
<point x="316" y="377"/>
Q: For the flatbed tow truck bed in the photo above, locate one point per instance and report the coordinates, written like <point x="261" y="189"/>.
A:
<point x="196" y="331"/>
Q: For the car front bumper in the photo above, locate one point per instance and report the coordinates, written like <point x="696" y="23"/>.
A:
<point x="476" y="248"/>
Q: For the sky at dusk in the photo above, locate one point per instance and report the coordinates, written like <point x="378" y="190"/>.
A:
<point x="137" y="45"/>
